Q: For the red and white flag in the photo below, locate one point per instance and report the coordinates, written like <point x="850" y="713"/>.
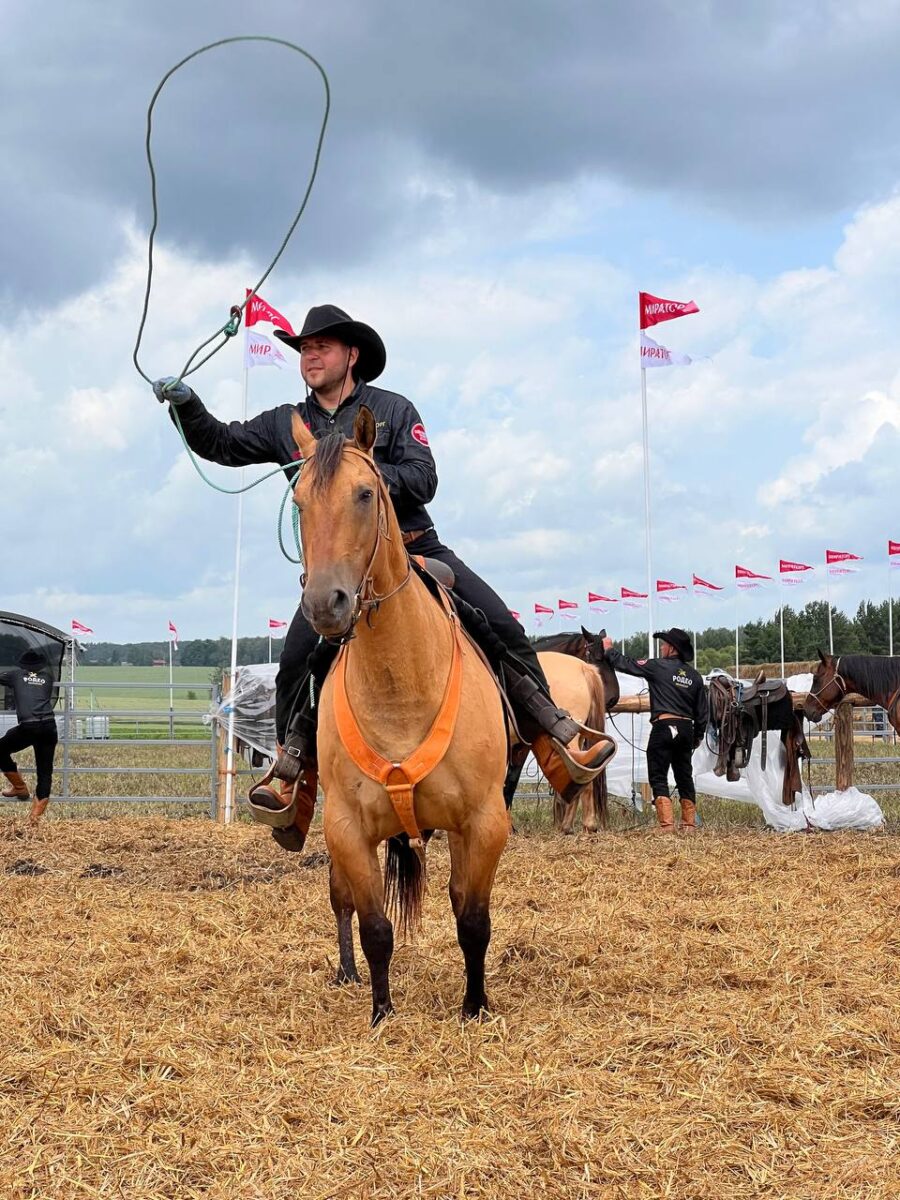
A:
<point x="77" y="627"/>
<point x="261" y="351"/>
<point x="667" y="591"/>
<point x="653" y="309"/>
<point x="174" y="633"/>
<point x="790" y="570"/>
<point x="632" y="599"/>
<point x="702" y="587"/>
<point x="655" y="355"/>
<point x="568" y="609"/>
<point x="257" y="309"/>
<point x="894" y="553"/>
<point x="597" y="601"/>
<point x="515" y="615"/>
<point x="745" y="578"/>
<point x="273" y="624"/>
<point x="837" y="560"/>
<point x="541" y="611"/>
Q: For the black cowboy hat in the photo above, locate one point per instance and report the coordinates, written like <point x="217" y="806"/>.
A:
<point x="680" y="640"/>
<point x="32" y="659"/>
<point x="332" y="321"/>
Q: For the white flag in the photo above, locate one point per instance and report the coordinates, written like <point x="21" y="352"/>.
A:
<point x="655" y="355"/>
<point x="261" y="351"/>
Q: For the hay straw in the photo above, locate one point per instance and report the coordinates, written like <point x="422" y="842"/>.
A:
<point x="716" y="1018"/>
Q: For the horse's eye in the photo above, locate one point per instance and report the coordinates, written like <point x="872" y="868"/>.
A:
<point x="364" y="495"/>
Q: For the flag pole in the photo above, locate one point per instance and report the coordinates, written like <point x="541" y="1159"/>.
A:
<point x="228" y="813"/>
<point x="622" y="602"/>
<point x="171" y="701"/>
<point x="737" y="632"/>
<point x="828" y="600"/>
<point x="270" y="647"/>
<point x="890" y="610"/>
<point x="781" y="617"/>
<point x="648" y="530"/>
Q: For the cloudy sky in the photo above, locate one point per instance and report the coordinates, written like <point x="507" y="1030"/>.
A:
<point x="498" y="182"/>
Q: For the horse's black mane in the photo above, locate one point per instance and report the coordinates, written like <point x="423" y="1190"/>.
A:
<point x="872" y="672"/>
<point x="553" y="641"/>
<point x="324" y="463"/>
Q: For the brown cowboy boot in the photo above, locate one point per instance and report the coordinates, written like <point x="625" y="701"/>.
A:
<point x="38" y="808"/>
<point x="19" y="789"/>
<point x="664" y="816"/>
<point x="688" y="817"/>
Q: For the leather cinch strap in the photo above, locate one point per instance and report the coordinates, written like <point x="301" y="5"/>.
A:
<point x="400" y="778"/>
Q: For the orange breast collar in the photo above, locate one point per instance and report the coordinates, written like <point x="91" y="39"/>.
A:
<point x="400" y="778"/>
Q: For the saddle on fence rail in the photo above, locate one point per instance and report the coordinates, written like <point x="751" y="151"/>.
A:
<point x="740" y="712"/>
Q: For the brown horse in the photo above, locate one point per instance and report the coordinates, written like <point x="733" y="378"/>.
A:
<point x="874" y="676"/>
<point x="394" y="679"/>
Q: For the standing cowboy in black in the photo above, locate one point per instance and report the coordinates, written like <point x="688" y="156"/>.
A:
<point x="679" y="710"/>
<point x="339" y="358"/>
<point x="34" y="690"/>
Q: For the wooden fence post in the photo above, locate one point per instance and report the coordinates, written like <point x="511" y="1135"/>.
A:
<point x="843" y="745"/>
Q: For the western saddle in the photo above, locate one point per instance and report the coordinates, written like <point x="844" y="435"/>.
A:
<point x="740" y="712"/>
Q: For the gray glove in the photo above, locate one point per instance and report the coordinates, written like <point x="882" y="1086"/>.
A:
<point x="167" y="389"/>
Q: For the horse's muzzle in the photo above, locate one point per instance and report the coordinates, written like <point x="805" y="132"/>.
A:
<point x="329" y="608"/>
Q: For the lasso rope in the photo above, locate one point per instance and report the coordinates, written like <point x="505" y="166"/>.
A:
<point x="231" y="326"/>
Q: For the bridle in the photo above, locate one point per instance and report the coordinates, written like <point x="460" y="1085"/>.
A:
<point x="366" y="599"/>
<point x="836" y="678"/>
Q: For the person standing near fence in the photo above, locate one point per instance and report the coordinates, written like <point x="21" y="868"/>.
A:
<point x="679" y="710"/>
<point x="33" y="688"/>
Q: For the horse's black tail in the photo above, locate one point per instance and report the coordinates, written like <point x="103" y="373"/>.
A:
<point x="404" y="883"/>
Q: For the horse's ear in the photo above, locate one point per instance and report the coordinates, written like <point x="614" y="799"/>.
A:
<point x="822" y="657"/>
<point x="306" y="443"/>
<point x="588" y="636"/>
<point x="364" y="429"/>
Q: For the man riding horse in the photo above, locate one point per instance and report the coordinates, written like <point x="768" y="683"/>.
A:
<point x="339" y="359"/>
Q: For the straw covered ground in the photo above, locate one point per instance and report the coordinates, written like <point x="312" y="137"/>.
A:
<point x="715" y="1018"/>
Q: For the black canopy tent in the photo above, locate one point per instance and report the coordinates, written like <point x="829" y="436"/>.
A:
<point x="18" y="634"/>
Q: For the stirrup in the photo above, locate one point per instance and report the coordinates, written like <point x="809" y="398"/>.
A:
<point x="600" y="753"/>
<point x="267" y="806"/>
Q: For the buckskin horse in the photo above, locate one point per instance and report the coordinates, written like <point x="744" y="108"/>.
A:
<point x="874" y="676"/>
<point x="409" y="704"/>
<point x="588" y="699"/>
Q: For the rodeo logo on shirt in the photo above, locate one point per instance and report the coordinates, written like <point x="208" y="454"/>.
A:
<point x="34" y="680"/>
<point x="682" y="679"/>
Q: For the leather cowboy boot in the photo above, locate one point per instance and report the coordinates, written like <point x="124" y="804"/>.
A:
<point x="664" y="816"/>
<point x="688" y="817"/>
<point x="19" y="788"/>
<point x="550" y="730"/>
<point x="38" y="808"/>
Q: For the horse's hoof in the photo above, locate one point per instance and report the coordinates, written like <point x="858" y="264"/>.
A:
<point x="380" y="1013"/>
<point x="477" y="1011"/>
<point x="342" y="978"/>
<point x="567" y="832"/>
<point x="290" y="839"/>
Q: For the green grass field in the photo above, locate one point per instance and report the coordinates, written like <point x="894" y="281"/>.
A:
<point x="93" y="690"/>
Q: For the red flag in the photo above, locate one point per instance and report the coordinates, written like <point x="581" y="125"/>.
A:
<point x="77" y="627"/>
<point x="273" y="624"/>
<point x="697" y="582"/>
<point x="567" y="603"/>
<point x="542" y="608"/>
<point x="653" y="309"/>
<point x="258" y="310"/>
<point x="893" y="547"/>
<point x="632" y="599"/>
<point x="174" y="633"/>
<point x="784" y="566"/>
<point x="836" y="556"/>
<point x="516" y="615"/>
<point x="746" y="573"/>
<point x="664" y="585"/>
<point x="540" y="611"/>
<point x="596" y="598"/>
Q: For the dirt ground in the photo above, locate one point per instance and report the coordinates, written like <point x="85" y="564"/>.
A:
<point x="709" y="1018"/>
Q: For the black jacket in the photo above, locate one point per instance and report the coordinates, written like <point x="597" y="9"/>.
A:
<point x="401" y="446"/>
<point x="34" y="693"/>
<point x="674" y="687"/>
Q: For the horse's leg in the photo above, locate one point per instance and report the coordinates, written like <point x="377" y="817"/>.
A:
<point x="356" y="860"/>
<point x="565" y="813"/>
<point x="601" y="800"/>
<point x="342" y="907"/>
<point x="482" y="845"/>
<point x="588" y="809"/>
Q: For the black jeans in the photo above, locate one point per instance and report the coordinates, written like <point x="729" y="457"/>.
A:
<point x="671" y="744"/>
<point x="302" y="639"/>
<point x="43" y="737"/>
